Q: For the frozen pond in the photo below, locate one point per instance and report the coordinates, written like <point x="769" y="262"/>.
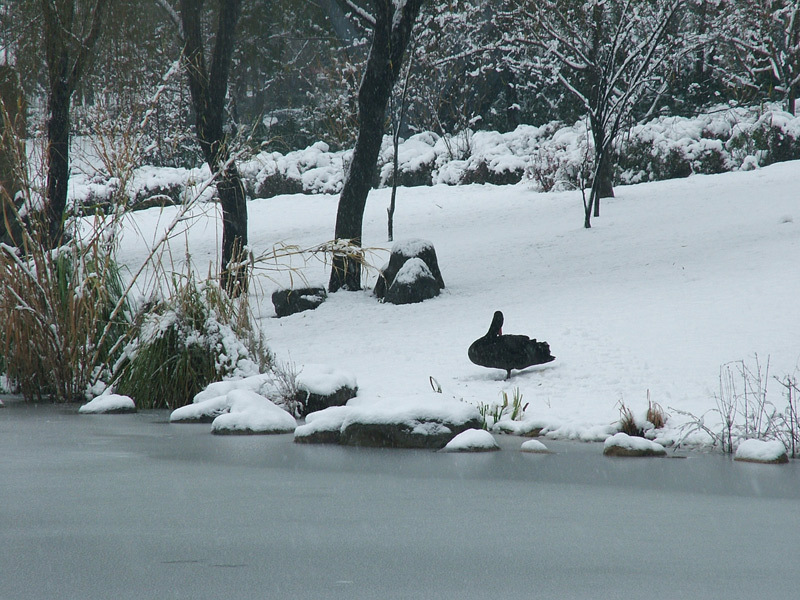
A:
<point x="130" y="507"/>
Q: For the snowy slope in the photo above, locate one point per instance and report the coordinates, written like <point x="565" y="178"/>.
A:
<point x="673" y="280"/>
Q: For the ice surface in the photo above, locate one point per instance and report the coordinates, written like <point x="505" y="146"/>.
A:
<point x="173" y="511"/>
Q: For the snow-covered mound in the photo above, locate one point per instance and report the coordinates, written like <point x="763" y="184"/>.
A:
<point x="472" y="440"/>
<point x="216" y="398"/>
<point x="251" y="413"/>
<point x="622" y="444"/>
<point x="534" y="447"/>
<point x="108" y="404"/>
<point x="762" y="451"/>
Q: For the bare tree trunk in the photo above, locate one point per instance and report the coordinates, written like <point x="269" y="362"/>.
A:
<point x="12" y="151"/>
<point x="68" y="53"/>
<point x="208" y="90"/>
<point x="391" y="33"/>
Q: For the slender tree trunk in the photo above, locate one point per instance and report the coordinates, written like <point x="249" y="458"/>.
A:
<point x="234" y="230"/>
<point x="392" y="202"/>
<point x="602" y="180"/>
<point x="58" y="139"/>
<point x="392" y="27"/>
<point x="208" y="90"/>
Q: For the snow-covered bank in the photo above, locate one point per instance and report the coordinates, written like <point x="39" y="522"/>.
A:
<point x="675" y="279"/>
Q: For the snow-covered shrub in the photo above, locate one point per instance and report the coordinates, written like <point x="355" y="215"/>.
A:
<point x="314" y="170"/>
<point x="416" y="160"/>
<point x="63" y="312"/>
<point x="481" y="170"/>
<point x="561" y="157"/>
<point x="182" y="343"/>
<point x="776" y="138"/>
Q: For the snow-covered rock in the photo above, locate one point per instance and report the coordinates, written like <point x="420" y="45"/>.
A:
<point x="322" y="386"/>
<point x="760" y="451"/>
<point x="472" y="440"/>
<point x="424" y="421"/>
<point x="413" y="283"/>
<point x="534" y="447"/>
<point x="108" y="404"/>
<point x="423" y="273"/>
<point x="623" y="444"/>
<point x="251" y="413"/>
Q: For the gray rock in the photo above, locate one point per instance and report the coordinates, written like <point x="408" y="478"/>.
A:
<point x="320" y="436"/>
<point x="289" y="302"/>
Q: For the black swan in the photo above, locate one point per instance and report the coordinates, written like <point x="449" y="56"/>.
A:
<point x="498" y="351"/>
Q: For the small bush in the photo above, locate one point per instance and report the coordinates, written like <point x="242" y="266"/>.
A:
<point x="512" y="409"/>
<point x="182" y="343"/>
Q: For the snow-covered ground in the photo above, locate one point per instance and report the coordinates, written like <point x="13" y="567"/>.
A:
<point x="675" y="279"/>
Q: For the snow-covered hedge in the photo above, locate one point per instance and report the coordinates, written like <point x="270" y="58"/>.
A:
<point x="553" y="156"/>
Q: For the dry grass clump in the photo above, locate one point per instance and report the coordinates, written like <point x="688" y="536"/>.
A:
<point x="627" y="422"/>
<point x="655" y="418"/>
<point x="62" y="312"/>
<point x="655" y="414"/>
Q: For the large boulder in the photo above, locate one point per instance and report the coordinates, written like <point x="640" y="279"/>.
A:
<point x="417" y="283"/>
<point x="289" y="302"/>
